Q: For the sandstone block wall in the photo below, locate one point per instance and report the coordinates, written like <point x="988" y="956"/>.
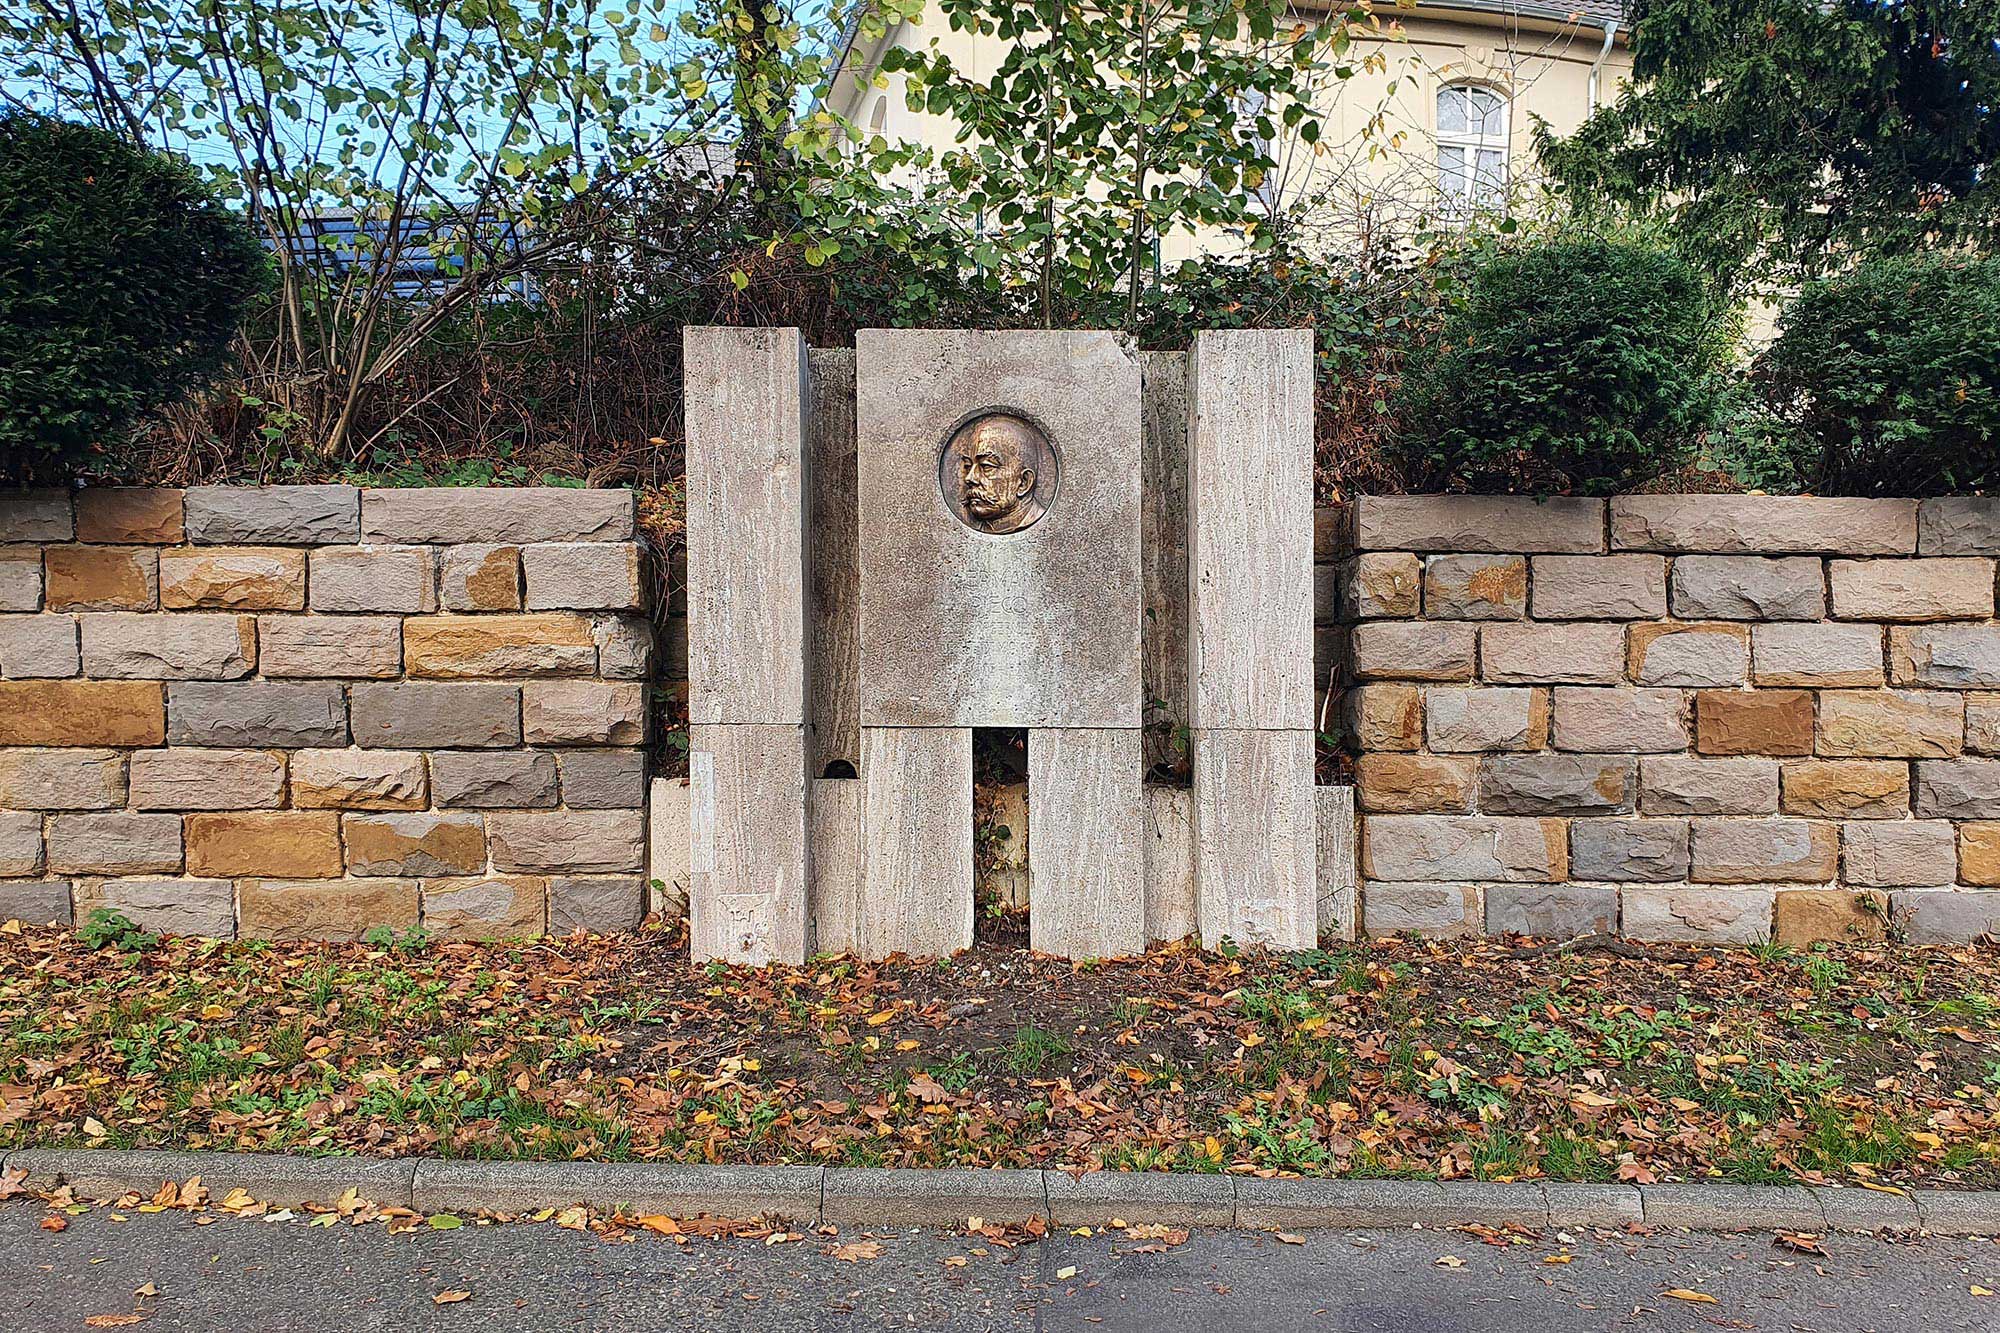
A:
<point x="1721" y="718"/>
<point x="305" y="711"/>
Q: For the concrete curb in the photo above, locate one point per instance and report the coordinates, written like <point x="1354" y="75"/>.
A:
<point x="886" y="1199"/>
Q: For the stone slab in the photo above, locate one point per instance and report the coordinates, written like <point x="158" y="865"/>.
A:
<point x="1087" y="849"/>
<point x="837" y="856"/>
<point x="506" y="515"/>
<point x="1763" y="524"/>
<point x="668" y="849"/>
<point x="272" y="515"/>
<point x="1477" y="523"/>
<point x="277" y="1179"/>
<point x="748" y="849"/>
<point x="916" y="812"/>
<point x="1250" y="480"/>
<point x="1334" y="829"/>
<point x="1719" y="1207"/>
<point x="639" y="1188"/>
<point x="1095" y="1198"/>
<point x="1170" y="901"/>
<point x="950" y="1197"/>
<point x="748" y="409"/>
<point x="1255" y="844"/>
<point x="1034" y="628"/>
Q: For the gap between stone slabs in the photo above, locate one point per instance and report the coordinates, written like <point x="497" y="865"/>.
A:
<point x="898" y="1197"/>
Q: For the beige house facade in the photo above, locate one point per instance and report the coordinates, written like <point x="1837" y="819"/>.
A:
<point x="1434" y="124"/>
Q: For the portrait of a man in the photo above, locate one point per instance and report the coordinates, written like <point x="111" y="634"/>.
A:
<point x="998" y="473"/>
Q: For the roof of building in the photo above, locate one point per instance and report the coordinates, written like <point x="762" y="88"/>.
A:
<point x="1596" y="13"/>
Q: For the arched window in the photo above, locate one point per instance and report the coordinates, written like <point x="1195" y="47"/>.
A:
<point x="878" y="119"/>
<point x="1472" y="147"/>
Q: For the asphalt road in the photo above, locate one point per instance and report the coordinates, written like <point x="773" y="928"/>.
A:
<point x="242" y="1274"/>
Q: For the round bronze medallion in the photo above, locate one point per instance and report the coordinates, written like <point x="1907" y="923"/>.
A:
<point x="998" y="473"/>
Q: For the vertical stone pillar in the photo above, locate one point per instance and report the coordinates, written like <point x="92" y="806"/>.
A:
<point x="1250" y="421"/>
<point x="916" y="803"/>
<point x="748" y="413"/>
<point x="1086" y="842"/>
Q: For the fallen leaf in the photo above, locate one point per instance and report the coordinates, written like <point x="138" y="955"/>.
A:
<point x="1697" y="1297"/>
<point x="665" y="1226"/>
<point x="55" y="1223"/>
<point x="1064" y="1274"/>
<point x="443" y="1222"/>
<point x="452" y="1297"/>
<point x="1290" y="1239"/>
<point x="856" y="1250"/>
<point x="113" y="1320"/>
<point x="1450" y="1261"/>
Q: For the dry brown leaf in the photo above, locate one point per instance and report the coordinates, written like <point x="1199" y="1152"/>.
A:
<point x="1696" y="1297"/>
<point x="452" y="1297"/>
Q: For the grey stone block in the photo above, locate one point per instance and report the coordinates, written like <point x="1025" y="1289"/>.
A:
<point x="35" y="516"/>
<point x="1866" y="1210"/>
<point x="114" y="843"/>
<point x="1957" y="788"/>
<point x="61" y="779"/>
<point x="645" y="1188"/>
<point x="1707" y="1207"/>
<point x="1431" y="910"/>
<point x="37" y="902"/>
<point x="20" y="842"/>
<point x="569" y="841"/>
<point x="205" y="907"/>
<point x="625" y="646"/>
<point x="494" y="780"/>
<point x="134" y="645"/>
<point x="877" y="1197"/>
<point x="1463" y="849"/>
<point x="1959" y="1212"/>
<point x="1558" y="784"/>
<point x="583" y="712"/>
<point x="1553" y="911"/>
<point x="1651" y="851"/>
<point x="330" y="646"/>
<point x="274" y="515"/>
<point x="275" y="1178"/>
<point x="1750" y="524"/>
<point x="1472" y="587"/>
<point x="583" y="576"/>
<point x="1298" y="1204"/>
<point x="374" y="578"/>
<point x="1958" y="657"/>
<point x="1958" y="525"/>
<point x="252" y="714"/>
<point x="41" y="647"/>
<point x="1581" y="1204"/>
<point x="1946" y="916"/>
<point x="1733" y="587"/>
<point x="600" y="904"/>
<point x="20" y="578"/>
<point x="1096" y="1197"/>
<point x="509" y="514"/>
<point x="422" y="714"/>
<point x="1737" y="914"/>
<point x="1600" y="587"/>
<point x="1477" y="523"/>
<point x="603" y="779"/>
<point x="207" y="779"/>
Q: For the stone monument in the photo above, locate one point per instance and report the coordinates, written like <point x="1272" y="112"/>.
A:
<point x="969" y="517"/>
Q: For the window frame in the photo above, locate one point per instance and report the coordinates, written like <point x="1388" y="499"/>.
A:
<point x="1481" y="193"/>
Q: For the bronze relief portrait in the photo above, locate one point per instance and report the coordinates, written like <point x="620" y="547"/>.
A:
<point x="998" y="473"/>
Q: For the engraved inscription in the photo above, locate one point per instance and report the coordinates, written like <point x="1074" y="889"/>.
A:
<point x="998" y="473"/>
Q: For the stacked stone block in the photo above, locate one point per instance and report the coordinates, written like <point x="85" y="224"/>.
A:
<point x="306" y="711"/>
<point x="1722" y="718"/>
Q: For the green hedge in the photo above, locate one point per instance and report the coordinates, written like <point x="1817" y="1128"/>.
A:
<point x="122" y="281"/>
<point x="1886" y="381"/>
<point x="1584" y="366"/>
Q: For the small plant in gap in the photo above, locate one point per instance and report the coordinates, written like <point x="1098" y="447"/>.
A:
<point x="108" y="927"/>
<point x="414" y="940"/>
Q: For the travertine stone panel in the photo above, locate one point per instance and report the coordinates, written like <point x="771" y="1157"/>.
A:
<point x="138" y="514"/>
<point x="233" y="578"/>
<point x="200" y="779"/>
<point x="1333" y="814"/>
<point x="670" y="851"/>
<point x="1255" y="844"/>
<point x="101" y="578"/>
<point x="1600" y="587"/>
<point x="1433" y="911"/>
<point x="1170" y="905"/>
<point x="748" y="408"/>
<point x="1086" y="852"/>
<point x="1460" y="523"/>
<point x="834" y="679"/>
<point x="1037" y="627"/>
<point x="1667" y="653"/>
<point x="1249" y="549"/>
<point x="1735" y="915"/>
<point x="916" y="811"/>
<point x="1459" y="721"/>
<point x="1438" y="848"/>
<point x="1958" y="657"/>
<point x="1690" y="785"/>
<point x="273" y="515"/>
<point x="1566" y="654"/>
<point x="1911" y="589"/>
<point x="1821" y="654"/>
<point x="38" y="647"/>
<point x="324" y="909"/>
<point x="749" y="829"/>
<point x="1732" y="587"/>
<point x="374" y="578"/>
<point x="1752" y="524"/>
<point x="330" y="646"/>
<point x="838" y="855"/>
<point x="1471" y="587"/>
<point x="504" y="515"/>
